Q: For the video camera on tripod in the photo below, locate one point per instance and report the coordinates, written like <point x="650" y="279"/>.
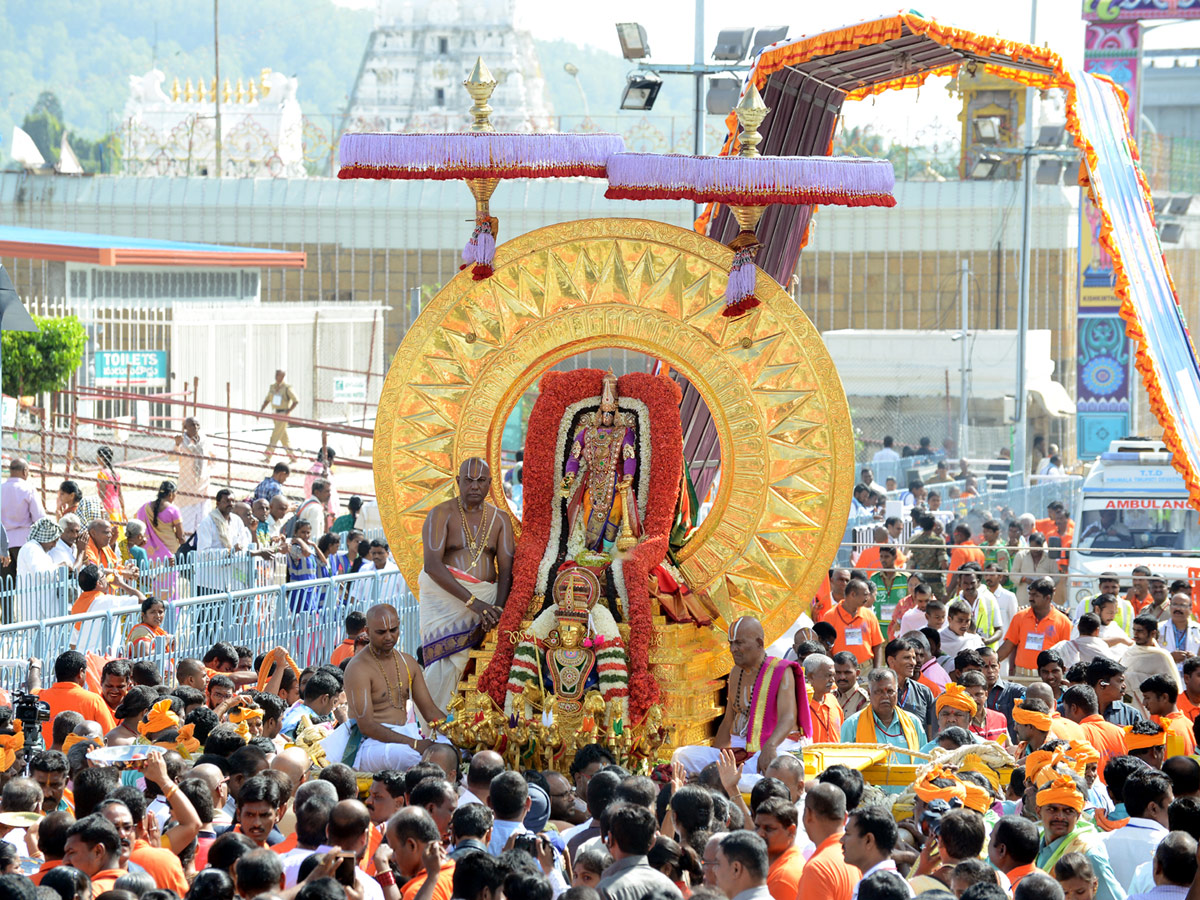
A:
<point x="31" y="712"/>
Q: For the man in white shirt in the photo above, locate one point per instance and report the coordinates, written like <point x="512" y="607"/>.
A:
<point x="64" y="552"/>
<point x="1148" y="793"/>
<point x="19" y="509"/>
<point x="868" y="841"/>
<point x="1030" y="565"/>
<point x="314" y="802"/>
<point x="887" y="454"/>
<point x="1165" y="876"/>
<point x="1006" y="600"/>
<point x="192" y="486"/>
<point x="378" y="560"/>
<point x="312" y="510"/>
<point x="220" y="535"/>
<point x="349" y="829"/>
<point x="1179" y="635"/>
<point x="35" y="560"/>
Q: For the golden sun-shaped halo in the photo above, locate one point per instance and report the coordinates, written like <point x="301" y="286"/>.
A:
<point x="787" y="449"/>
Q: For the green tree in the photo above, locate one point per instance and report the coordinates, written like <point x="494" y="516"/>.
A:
<point x="44" y="124"/>
<point x="42" y="360"/>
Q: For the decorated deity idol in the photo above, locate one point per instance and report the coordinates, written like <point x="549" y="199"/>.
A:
<point x="598" y="479"/>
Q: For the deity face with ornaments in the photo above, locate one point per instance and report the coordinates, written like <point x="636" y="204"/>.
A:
<point x="570" y="632"/>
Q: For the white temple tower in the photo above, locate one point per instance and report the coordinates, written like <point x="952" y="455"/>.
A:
<point x="418" y="55"/>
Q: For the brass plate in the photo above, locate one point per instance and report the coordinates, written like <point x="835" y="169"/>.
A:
<point x="787" y="448"/>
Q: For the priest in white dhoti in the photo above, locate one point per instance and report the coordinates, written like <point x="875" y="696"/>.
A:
<point x="465" y="579"/>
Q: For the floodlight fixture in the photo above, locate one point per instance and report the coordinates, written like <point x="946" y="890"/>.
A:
<point x="723" y="95"/>
<point x="1160" y="201"/>
<point x="1049" y="171"/>
<point x="1179" y="205"/>
<point x="987" y="130"/>
<point x="1170" y="233"/>
<point x="767" y="36"/>
<point x="633" y="40"/>
<point x="985" y="168"/>
<point x="733" y="44"/>
<point x="1051" y="135"/>
<point x="641" y="90"/>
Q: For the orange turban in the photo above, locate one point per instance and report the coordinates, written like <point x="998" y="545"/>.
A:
<point x="1143" y="741"/>
<point x="1040" y="765"/>
<point x="160" y="718"/>
<point x="245" y="714"/>
<point x="243" y="729"/>
<point x="956" y="697"/>
<point x="1083" y="752"/>
<point x="1063" y="792"/>
<point x="927" y="791"/>
<point x="10" y="744"/>
<point x="188" y="745"/>
<point x="977" y="798"/>
<point x="1039" y="720"/>
<point x="973" y="762"/>
<point x="71" y="740"/>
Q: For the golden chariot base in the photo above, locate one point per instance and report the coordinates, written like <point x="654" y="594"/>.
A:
<point x="686" y="661"/>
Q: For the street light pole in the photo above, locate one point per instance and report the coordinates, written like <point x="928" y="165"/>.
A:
<point x="1020" y="450"/>
<point x="217" y="75"/>
<point x="965" y="360"/>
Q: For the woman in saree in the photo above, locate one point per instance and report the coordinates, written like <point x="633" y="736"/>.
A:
<point x="164" y="534"/>
<point x="108" y="486"/>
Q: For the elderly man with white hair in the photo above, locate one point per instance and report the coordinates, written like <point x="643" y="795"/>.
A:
<point x="65" y="552"/>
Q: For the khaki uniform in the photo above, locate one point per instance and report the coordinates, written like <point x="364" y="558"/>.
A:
<point x="281" y="398"/>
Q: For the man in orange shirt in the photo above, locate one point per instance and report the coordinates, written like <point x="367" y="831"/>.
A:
<point x="1034" y="629"/>
<point x="775" y="822"/>
<point x="1159" y="696"/>
<point x="831" y="593"/>
<point x="826" y="712"/>
<point x="409" y="833"/>
<point x="964" y="550"/>
<point x="99" y="553"/>
<point x="355" y="640"/>
<point x="868" y="561"/>
<point x="826" y="875"/>
<point x="1139" y="593"/>
<point x="1080" y="705"/>
<point x="1058" y="524"/>
<point x="94" y="848"/>
<point x="857" y="628"/>
<point x="68" y="692"/>
<point x="1189" y="700"/>
<point x="1013" y="847"/>
<point x="868" y="841"/>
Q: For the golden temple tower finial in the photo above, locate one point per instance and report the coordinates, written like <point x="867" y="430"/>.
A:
<point x="479" y="85"/>
<point x="751" y="112"/>
<point x="175" y="90"/>
<point x="239" y="92"/>
<point x="263" y="87"/>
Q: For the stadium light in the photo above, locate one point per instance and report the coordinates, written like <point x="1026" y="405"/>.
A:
<point x="633" y="40"/>
<point x="1051" y="135"/>
<point x="987" y="130"/>
<point x="641" y="90"/>
<point x="985" y="168"/>
<point x="1049" y="171"/>
<point x="1179" y="206"/>
<point x="1160" y="203"/>
<point x="766" y="36"/>
<point x="733" y="44"/>
<point x="1170" y="233"/>
<point x="723" y="95"/>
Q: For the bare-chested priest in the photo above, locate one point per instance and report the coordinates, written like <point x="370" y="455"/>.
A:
<point x="380" y="681"/>
<point x="465" y="578"/>
<point x="767" y="702"/>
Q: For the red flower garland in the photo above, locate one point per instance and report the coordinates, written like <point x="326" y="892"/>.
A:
<point x="558" y="391"/>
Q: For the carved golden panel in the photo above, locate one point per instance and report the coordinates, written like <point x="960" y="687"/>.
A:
<point x="787" y="450"/>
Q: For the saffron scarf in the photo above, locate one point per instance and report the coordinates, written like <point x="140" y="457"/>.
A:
<point x="864" y="732"/>
<point x="764" y="708"/>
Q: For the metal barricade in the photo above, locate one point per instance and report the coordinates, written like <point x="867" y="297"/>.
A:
<point x="307" y="618"/>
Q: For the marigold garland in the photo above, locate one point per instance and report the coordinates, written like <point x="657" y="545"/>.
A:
<point x="558" y="390"/>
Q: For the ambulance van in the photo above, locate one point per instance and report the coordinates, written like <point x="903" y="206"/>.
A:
<point x="1133" y="511"/>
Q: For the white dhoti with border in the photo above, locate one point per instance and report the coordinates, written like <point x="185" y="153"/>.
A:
<point x="373" y="755"/>
<point x="446" y="630"/>
<point x="693" y="758"/>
